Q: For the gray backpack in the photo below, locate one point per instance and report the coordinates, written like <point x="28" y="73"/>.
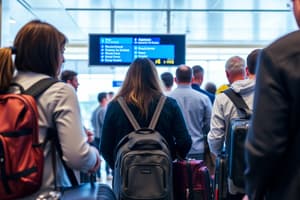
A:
<point x="143" y="164"/>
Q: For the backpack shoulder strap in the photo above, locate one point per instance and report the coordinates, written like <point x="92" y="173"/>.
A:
<point x="157" y="112"/>
<point x="128" y="113"/>
<point x="36" y="90"/>
<point x="238" y="101"/>
<point x="40" y="86"/>
<point x="56" y="147"/>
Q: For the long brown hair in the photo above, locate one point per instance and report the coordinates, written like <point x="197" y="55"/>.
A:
<point x="6" y="68"/>
<point x="37" y="46"/>
<point x="141" y="85"/>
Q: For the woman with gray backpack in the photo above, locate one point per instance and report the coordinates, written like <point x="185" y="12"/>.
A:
<point x="142" y="133"/>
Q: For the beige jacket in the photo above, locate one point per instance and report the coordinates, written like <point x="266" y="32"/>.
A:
<point x="60" y="103"/>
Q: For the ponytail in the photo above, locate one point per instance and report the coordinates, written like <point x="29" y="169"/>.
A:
<point x="6" y="68"/>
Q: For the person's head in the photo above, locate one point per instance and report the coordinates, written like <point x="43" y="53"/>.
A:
<point x="252" y="62"/>
<point x="110" y="95"/>
<point x="70" y="77"/>
<point x="296" y="9"/>
<point x="38" y="47"/>
<point x="102" y="98"/>
<point x="211" y="87"/>
<point x="198" y="73"/>
<point x="141" y="85"/>
<point x="168" y="80"/>
<point x="235" y="69"/>
<point x="183" y="75"/>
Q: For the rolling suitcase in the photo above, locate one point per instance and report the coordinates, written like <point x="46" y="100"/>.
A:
<point x="220" y="178"/>
<point x="85" y="191"/>
<point x="235" y="148"/>
<point x="191" y="180"/>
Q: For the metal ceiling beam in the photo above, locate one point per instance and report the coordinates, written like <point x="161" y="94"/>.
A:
<point x="180" y="10"/>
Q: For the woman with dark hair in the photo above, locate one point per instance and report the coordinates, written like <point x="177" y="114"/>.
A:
<point x="141" y="91"/>
<point x="38" y="49"/>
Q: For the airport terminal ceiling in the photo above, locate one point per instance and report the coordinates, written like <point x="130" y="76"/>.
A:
<point x="211" y="26"/>
<point x="205" y="22"/>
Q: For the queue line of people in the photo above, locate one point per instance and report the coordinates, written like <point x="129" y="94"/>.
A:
<point x="273" y="136"/>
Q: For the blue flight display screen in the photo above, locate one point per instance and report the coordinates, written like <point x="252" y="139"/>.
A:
<point x="115" y="50"/>
<point x="123" y="49"/>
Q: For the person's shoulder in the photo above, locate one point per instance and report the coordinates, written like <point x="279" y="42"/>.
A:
<point x="220" y="98"/>
<point x="208" y="94"/>
<point x="200" y="94"/>
<point x="62" y="89"/>
<point x="290" y="43"/>
<point x="113" y="110"/>
<point x="195" y="86"/>
<point x="288" y="38"/>
<point x="113" y="105"/>
<point x="171" y="102"/>
<point x="27" y="79"/>
<point x="96" y="109"/>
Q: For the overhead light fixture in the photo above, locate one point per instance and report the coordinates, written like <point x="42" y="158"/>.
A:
<point x="12" y="20"/>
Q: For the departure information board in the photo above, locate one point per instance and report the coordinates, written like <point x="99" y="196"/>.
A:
<point x="107" y="49"/>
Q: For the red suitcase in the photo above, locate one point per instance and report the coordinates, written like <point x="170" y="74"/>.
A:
<point x="191" y="180"/>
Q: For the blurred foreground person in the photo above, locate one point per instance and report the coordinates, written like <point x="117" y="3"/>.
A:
<point x="273" y="142"/>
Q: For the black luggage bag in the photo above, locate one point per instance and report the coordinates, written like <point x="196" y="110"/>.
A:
<point x="235" y="144"/>
<point x="220" y="179"/>
<point x="86" y="191"/>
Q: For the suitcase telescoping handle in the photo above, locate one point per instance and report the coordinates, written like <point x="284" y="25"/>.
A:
<point x="92" y="179"/>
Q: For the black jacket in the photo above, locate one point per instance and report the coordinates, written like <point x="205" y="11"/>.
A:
<point x="170" y="124"/>
<point x="273" y="143"/>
